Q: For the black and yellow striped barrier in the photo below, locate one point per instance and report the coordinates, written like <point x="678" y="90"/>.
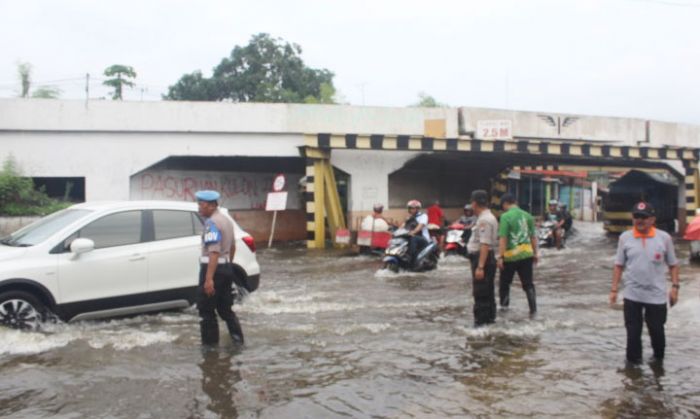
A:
<point x="318" y="146"/>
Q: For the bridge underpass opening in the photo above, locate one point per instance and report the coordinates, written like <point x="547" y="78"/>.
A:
<point x="534" y="180"/>
<point x="448" y="178"/>
<point x="499" y="156"/>
<point x="243" y="183"/>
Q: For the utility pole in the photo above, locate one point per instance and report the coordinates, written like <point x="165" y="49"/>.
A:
<point x="87" y="89"/>
<point x="362" y="91"/>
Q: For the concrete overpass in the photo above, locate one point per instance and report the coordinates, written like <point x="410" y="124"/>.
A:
<point x="163" y="150"/>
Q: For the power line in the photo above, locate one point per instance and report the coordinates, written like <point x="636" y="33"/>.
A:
<point x="43" y="81"/>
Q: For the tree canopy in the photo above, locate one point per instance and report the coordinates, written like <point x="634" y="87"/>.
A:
<point x="266" y="70"/>
<point x="46" y="92"/>
<point x="427" y="101"/>
<point x="24" y="73"/>
<point x="18" y="195"/>
<point x="123" y="75"/>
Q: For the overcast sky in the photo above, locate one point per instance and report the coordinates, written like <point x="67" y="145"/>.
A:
<point x="637" y="58"/>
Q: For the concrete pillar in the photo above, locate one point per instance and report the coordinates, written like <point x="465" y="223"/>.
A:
<point x="369" y="172"/>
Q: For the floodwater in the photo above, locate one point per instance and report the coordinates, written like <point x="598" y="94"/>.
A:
<point x="328" y="335"/>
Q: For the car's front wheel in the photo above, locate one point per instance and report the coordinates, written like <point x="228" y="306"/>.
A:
<point x="21" y="310"/>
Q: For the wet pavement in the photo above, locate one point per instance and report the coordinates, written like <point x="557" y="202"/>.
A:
<point x="329" y="335"/>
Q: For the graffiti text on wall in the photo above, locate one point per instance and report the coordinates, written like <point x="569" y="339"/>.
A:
<point x="242" y="190"/>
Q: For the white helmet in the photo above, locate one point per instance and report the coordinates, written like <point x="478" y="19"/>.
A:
<point x="414" y="203"/>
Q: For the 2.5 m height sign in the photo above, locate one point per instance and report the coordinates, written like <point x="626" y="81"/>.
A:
<point x="494" y="129"/>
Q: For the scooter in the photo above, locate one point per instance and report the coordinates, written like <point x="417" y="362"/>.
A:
<point x="397" y="255"/>
<point x="545" y="235"/>
<point x="373" y="236"/>
<point x="456" y="239"/>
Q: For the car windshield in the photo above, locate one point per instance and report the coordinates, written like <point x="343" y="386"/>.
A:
<point x="42" y="229"/>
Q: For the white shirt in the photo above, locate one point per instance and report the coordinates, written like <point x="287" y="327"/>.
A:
<point x="423" y="219"/>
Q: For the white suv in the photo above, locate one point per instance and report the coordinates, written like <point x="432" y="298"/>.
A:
<point x="107" y="259"/>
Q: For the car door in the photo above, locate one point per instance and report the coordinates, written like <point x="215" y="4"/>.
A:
<point x="117" y="267"/>
<point x="174" y="253"/>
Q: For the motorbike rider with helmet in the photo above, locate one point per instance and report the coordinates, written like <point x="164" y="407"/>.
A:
<point x="417" y="225"/>
<point x="568" y="218"/>
<point x="557" y="217"/>
<point x="467" y="220"/>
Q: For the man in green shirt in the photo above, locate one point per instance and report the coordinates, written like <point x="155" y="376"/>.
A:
<point x="517" y="251"/>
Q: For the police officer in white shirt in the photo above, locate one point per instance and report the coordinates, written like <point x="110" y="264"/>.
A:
<point x="216" y="271"/>
<point x="481" y="249"/>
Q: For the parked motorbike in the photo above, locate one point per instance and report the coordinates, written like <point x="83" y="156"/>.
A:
<point x="456" y="239"/>
<point x="373" y="236"/>
<point x="397" y="255"/>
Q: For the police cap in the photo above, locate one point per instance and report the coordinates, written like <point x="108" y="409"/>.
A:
<point x="207" y="196"/>
<point x="643" y="208"/>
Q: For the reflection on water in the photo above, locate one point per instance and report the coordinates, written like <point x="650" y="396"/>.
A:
<point x="329" y="335"/>
<point x="219" y="379"/>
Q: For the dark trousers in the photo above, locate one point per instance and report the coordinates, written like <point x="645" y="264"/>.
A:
<point x="524" y="269"/>
<point x="483" y="290"/>
<point x="415" y="245"/>
<point x="221" y="302"/>
<point x="654" y="315"/>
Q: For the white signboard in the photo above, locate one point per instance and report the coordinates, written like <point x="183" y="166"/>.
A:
<point x="278" y="184"/>
<point x="494" y="129"/>
<point x="276" y="201"/>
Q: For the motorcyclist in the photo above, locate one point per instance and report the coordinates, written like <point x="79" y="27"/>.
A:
<point x="467" y="220"/>
<point x="436" y="222"/>
<point x="376" y="220"/>
<point x="417" y="225"/>
<point x="568" y="218"/>
<point x="557" y="217"/>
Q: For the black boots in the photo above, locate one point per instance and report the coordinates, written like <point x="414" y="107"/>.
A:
<point x="505" y="298"/>
<point x="234" y="329"/>
<point x="531" y="300"/>
<point x="209" y="331"/>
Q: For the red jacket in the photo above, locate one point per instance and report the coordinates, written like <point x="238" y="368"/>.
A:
<point x="435" y="215"/>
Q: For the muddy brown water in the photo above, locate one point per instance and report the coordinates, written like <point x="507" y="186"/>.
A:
<point x="329" y="335"/>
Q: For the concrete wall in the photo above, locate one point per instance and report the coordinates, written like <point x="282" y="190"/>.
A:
<point x="107" y="142"/>
<point x="216" y="117"/>
<point x="108" y="160"/>
<point x="239" y="190"/>
<point x="290" y="225"/>
<point x="622" y="131"/>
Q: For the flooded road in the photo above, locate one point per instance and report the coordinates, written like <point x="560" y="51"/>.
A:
<point x="329" y="335"/>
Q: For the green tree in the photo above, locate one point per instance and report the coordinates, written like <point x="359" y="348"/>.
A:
<point x="24" y="71"/>
<point x="122" y="75"/>
<point x="192" y="86"/>
<point x="266" y="70"/>
<point x="18" y="196"/>
<point x="327" y="95"/>
<point x="427" y="101"/>
<point x="46" y="92"/>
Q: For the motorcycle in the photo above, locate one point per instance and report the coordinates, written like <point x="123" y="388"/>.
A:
<point x="545" y="235"/>
<point x="397" y="255"/>
<point x="456" y="239"/>
<point x="373" y="236"/>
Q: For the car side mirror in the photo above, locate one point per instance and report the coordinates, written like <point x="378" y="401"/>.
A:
<point x="80" y="246"/>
